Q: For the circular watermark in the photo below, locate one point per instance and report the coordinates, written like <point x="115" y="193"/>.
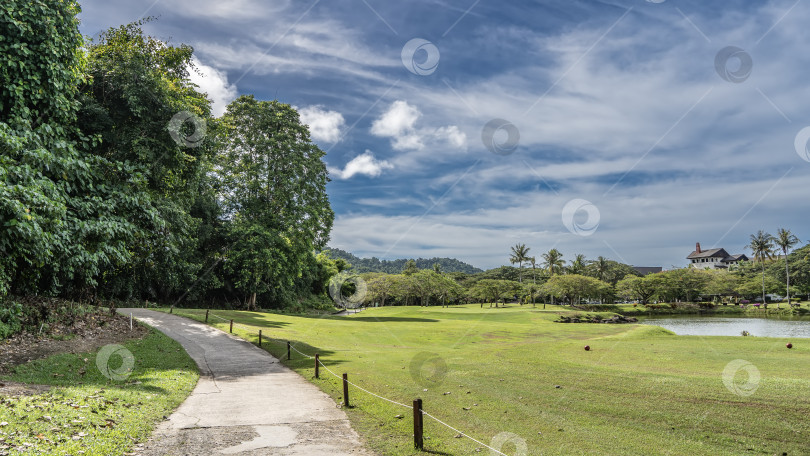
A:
<point x="728" y="54"/>
<point x="420" y="56"/>
<point x="802" y="144"/>
<point x="581" y="227"/>
<point x="348" y="290"/>
<point x="507" y="145"/>
<point x="179" y="127"/>
<point x="736" y="385"/>
<point x="508" y="438"/>
<point x="103" y="363"/>
<point x="428" y="369"/>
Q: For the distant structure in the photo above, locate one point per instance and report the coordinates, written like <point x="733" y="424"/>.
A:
<point x="644" y="270"/>
<point x="713" y="258"/>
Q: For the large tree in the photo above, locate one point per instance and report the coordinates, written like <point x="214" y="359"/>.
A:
<point x="273" y="185"/>
<point x="785" y="240"/>
<point x="152" y="122"/>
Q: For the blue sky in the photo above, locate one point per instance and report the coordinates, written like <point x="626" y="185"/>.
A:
<point x="629" y="129"/>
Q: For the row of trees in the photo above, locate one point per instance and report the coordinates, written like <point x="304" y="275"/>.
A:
<point x="601" y="280"/>
<point x="117" y="182"/>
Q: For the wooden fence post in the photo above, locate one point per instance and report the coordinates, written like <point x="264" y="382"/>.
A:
<point x="231" y="326"/>
<point x="317" y="369"/>
<point x="288" y="350"/>
<point x="206" y="315"/>
<point x="260" y="338"/>
<point x="417" y="424"/>
<point x="346" y="390"/>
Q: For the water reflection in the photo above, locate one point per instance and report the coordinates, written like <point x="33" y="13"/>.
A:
<point x="732" y="326"/>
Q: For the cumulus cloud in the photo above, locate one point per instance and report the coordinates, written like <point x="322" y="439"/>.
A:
<point x="364" y="164"/>
<point x="323" y="125"/>
<point x="399" y="124"/>
<point x="215" y="84"/>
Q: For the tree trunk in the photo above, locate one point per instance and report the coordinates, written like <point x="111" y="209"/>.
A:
<point x="787" y="276"/>
<point x="764" y="304"/>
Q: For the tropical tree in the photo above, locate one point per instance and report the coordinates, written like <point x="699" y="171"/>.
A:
<point x="599" y="268"/>
<point x="762" y="245"/>
<point x="574" y="287"/>
<point x="578" y="264"/>
<point x="273" y="186"/>
<point x="410" y="268"/>
<point x="553" y="262"/>
<point x="520" y="253"/>
<point x="785" y="240"/>
<point x="634" y="287"/>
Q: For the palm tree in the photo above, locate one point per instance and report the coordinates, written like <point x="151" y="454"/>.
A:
<point x="601" y="266"/>
<point x="578" y="265"/>
<point x="553" y="262"/>
<point x="762" y="247"/>
<point x="520" y="253"/>
<point x="786" y="240"/>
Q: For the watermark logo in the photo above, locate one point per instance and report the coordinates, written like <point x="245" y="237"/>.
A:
<point x="733" y="377"/>
<point x="723" y="63"/>
<point x="187" y="129"/>
<point x="348" y="290"/>
<point x="105" y="366"/>
<point x="574" y="224"/>
<point x="420" y="56"/>
<point x="428" y="369"/>
<point x="505" y="439"/>
<point x="802" y="144"/>
<point x="504" y="146"/>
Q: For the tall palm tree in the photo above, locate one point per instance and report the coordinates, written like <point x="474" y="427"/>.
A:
<point x="761" y="246"/>
<point x="601" y="266"/>
<point x="520" y="253"/>
<point x="577" y="265"/>
<point x="553" y="262"/>
<point x="786" y="240"/>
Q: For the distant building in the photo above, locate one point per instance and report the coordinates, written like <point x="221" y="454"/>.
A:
<point x="644" y="270"/>
<point x="713" y="258"/>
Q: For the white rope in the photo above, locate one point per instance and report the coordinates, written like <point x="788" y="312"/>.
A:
<point x="461" y="433"/>
<point x="363" y="389"/>
<point x="299" y="351"/>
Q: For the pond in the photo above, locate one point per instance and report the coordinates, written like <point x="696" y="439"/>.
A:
<point x="691" y="325"/>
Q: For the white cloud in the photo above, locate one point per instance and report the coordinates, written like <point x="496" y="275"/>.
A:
<point x="215" y="84"/>
<point x="363" y="164"/>
<point x="399" y="120"/>
<point x="323" y="125"/>
<point x="399" y="124"/>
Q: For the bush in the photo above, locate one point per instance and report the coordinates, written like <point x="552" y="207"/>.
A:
<point x="11" y="314"/>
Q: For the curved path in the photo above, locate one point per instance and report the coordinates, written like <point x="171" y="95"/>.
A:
<point x="245" y="402"/>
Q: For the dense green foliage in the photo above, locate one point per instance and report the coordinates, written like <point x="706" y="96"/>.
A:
<point x="116" y="182"/>
<point x="395" y="266"/>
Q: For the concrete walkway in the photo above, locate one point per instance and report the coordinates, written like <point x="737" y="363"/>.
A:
<point x="246" y="402"/>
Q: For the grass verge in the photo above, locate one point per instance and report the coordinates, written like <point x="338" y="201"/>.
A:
<point x="87" y="413"/>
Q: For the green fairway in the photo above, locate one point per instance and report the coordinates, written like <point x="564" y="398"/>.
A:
<point x="639" y="390"/>
<point x="89" y="413"/>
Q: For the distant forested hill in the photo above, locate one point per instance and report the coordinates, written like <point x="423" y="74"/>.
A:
<point x="395" y="266"/>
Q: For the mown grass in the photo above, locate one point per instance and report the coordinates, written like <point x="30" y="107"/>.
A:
<point x="87" y="413"/>
<point x="640" y="390"/>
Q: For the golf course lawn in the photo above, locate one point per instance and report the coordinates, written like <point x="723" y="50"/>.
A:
<point x="639" y="390"/>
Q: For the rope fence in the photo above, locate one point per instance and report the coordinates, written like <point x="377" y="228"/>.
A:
<point x="417" y="407"/>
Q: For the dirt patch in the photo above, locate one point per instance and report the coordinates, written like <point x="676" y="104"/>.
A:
<point x="21" y="389"/>
<point x="86" y="333"/>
